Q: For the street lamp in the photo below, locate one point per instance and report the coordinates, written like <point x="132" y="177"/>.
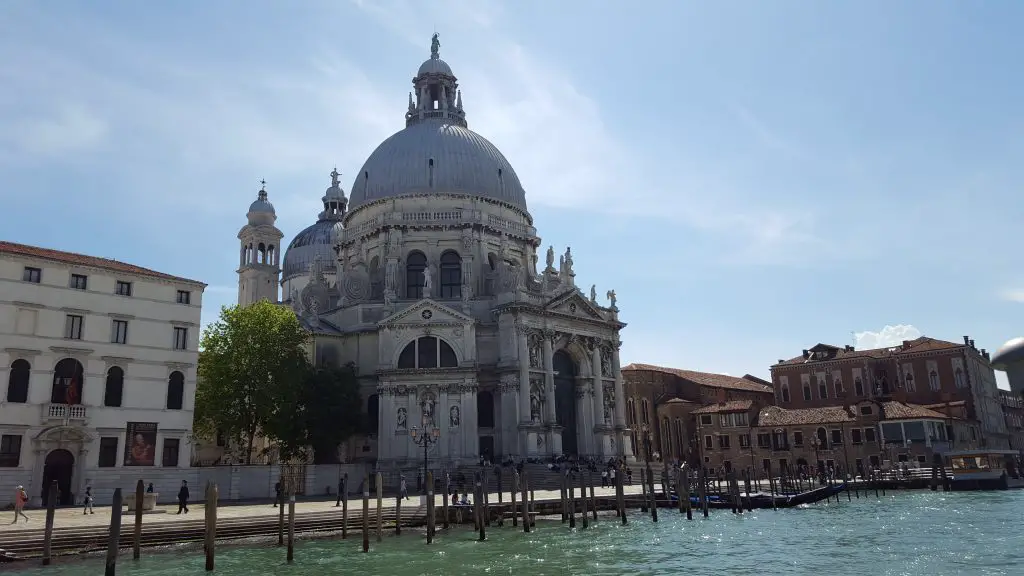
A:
<point x="429" y="436"/>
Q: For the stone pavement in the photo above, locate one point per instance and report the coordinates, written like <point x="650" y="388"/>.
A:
<point x="73" y="517"/>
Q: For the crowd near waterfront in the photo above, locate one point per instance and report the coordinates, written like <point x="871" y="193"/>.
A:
<point x="904" y="533"/>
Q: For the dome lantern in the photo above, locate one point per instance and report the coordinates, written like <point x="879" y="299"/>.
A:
<point x="437" y="94"/>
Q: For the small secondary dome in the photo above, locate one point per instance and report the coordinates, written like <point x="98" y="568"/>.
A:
<point x="318" y="239"/>
<point x="1010" y="353"/>
<point x="436" y="152"/>
<point x="261" y="211"/>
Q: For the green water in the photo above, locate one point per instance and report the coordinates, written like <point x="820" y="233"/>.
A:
<point x="907" y="533"/>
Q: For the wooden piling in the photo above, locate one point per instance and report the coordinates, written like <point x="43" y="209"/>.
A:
<point x="533" y="506"/>
<point x="702" y="490"/>
<point x="572" y="504"/>
<point x="479" y="508"/>
<point x="643" y="491"/>
<point x="431" y="520"/>
<point x="140" y="495"/>
<point x="593" y="498"/>
<point x="512" y="498"/>
<point x="344" y="508"/>
<point x="679" y="491"/>
<point x="398" y="514"/>
<point x="114" y="534"/>
<point x="746" y="485"/>
<point x="945" y="478"/>
<point x="526" y="503"/>
<point x="211" y="523"/>
<point x="485" y="492"/>
<point x="51" y="509"/>
<point x="366" y="514"/>
<point x="501" y="493"/>
<point x="564" y="496"/>
<point x="380" y="507"/>
<point x="444" y="501"/>
<point x="654" y="499"/>
<point x="280" y="516"/>
<point x="583" y="497"/>
<point x="620" y="497"/>
<point x="685" y="473"/>
<point x="291" y="527"/>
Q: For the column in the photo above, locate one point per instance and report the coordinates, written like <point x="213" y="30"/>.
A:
<point x="122" y="439"/>
<point x="524" y="375"/>
<point x="78" y="484"/>
<point x="35" y="490"/>
<point x="549" y="377"/>
<point x="386" y="424"/>
<point x="414" y="417"/>
<point x="598" y="382"/>
<point x="470" y="423"/>
<point x="620" y="400"/>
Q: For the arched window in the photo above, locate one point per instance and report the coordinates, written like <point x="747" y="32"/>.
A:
<point x="271" y="255"/>
<point x="175" y="390"/>
<point x="372" y="413"/>
<point x="959" y="377"/>
<point x="822" y="439"/>
<point x="261" y="254"/>
<point x="485" y="409"/>
<point x="114" y="389"/>
<point x="933" y="380"/>
<point x="415" y="264"/>
<point x="427" y="352"/>
<point x="666" y="438"/>
<point x="68" y="377"/>
<point x="17" y="381"/>
<point x="451" y="276"/>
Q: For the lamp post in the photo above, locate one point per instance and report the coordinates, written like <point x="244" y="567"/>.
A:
<point x="425" y="438"/>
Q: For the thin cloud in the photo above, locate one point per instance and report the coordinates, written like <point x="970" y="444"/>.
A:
<point x="1013" y="295"/>
<point x="66" y="129"/>
<point x="766" y="136"/>
<point x="886" y="337"/>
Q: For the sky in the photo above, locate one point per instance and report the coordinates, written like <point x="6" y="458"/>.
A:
<point x="751" y="178"/>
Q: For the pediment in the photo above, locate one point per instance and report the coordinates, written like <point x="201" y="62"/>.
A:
<point x="574" y="304"/>
<point x="424" y="312"/>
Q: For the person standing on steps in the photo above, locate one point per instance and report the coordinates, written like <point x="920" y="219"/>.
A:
<point x="87" y="509"/>
<point x="404" y="490"/>
<point x="183" y="497"/>
<point x="149" y="489"/>
<point x="20" y="498"/>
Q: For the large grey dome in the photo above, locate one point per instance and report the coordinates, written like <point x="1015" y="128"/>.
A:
<point x="437" y="156"/>
<point x="318" y="239"/>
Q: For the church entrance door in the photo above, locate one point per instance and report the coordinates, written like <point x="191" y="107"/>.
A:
<point x="59" y="466"/>
<point x="565" y="400"/>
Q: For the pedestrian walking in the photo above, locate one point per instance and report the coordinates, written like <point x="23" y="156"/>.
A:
<point x="183" y="497"/>
<point x="87" y="501"/>
<point x="404" y="490"/>
<point x="20" y="498"/>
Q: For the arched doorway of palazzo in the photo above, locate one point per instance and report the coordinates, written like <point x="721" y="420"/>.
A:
<point x="565" y="400"/>
<point x="59" y="466"/>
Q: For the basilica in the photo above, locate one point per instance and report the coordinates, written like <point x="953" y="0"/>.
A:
<point x="426" y="277"/>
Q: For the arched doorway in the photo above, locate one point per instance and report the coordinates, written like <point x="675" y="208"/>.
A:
<point x="59" y="466"/>
<point x="565" y="400"/>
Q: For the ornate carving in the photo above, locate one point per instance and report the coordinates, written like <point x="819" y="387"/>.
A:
<point x="590" y="343"/>
<point x="534" y="344"/>
<point x="550" y="335"/>
<point x="428" y="403"/>
<point x="402" y="419"/>
<point x="609" y="402"/>
<point x="550" y="260"/>
<point x="454" y="417"/>
<point x="508" y="383"/>
<point x="467" y="239"/>
<point x="611" y="298"/>
<point x="540" y="441"/>
<point x="606" y="362"/>
<point x="536" y="399"/>
<point x="593" y="293"/>
<point x="567" y="262"/>
<point x="581" y="391"/>
<point x="428" y="282"/>
<point x="356" y="284"/>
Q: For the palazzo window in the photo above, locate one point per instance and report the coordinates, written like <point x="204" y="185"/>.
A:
<point x="18" y="380"/>
<point x="175" y="390"/>
<point x="10" y="450"/>
<point x="415" y="264"/>
<point x="114" y="389"/>
<point x="451" y="276"/>
<point x="428" y="352"/>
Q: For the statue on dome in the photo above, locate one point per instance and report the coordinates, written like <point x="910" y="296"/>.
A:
<point x="435" y="46"/>
<point x="334" y="177"/>
<point x="568" y="262"/>
<point x="611" y="298"/>
<point x="593" y="293"/>
<point x="551" y="258"/>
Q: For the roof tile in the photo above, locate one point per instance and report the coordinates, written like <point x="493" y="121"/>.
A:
<point x="704" y="378"/>
<point x="75" y="259"/>
<point x="722" y="407"/>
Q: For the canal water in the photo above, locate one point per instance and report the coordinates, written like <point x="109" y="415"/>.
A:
<point x="906" y="533"/>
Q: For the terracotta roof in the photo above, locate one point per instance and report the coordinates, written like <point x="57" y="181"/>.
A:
<point x="704" y="378"/>
<point x="953" y="404"/>
<point x="775" y="416"/>
<point x="74" y="259"/>
<point x="731" y="406"/>
<point x="901" y="411"/>
<point x="835" y="353"/>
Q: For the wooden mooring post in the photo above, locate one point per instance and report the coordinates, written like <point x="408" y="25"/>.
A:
<point x="398" y="514"/>
<point x="366" y="513"/>
<point x="114" y="534"/>
<point x="654" y="499"/>
<point x="643" y="491"/>
<point x="380" y="506"/>
<point x="702" y="490"/>
<point x="431" y="521"/>
<point x="501" y="492"/>
<point x="564" y="496"/>
<point x="211" y="524"/>
<point x="478" y="504"/>
<point x="583" y="497"/>
<point x="572" y="503"/>
<point x="444" y="501"/>
<point x="140" y="495"/>
<point x="685" y="473"/>
<point x="746" y="486"/>
<point x="291" y="527"/>
<point x="525" y="504"/>
<point x="344" y="508"/>
<point x="593" y="498"/>
<point x="620" y="497"/>
<point x="512" y="498"/>
<point x="51" y="510"/>
<point x="280" y="517"/>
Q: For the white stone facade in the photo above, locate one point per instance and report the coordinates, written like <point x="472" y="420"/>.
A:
<point x="435" y="296"/>
<point x="89" y="348"/>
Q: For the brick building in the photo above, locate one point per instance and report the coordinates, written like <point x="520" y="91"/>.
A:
<point x="1013" y="414"/>
<point x="660" y="402"/>
<point x="923" y="372"/>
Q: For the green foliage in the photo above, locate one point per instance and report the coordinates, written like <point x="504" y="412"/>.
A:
<point x="251" y="371"/>
<point x="332" y="410"/>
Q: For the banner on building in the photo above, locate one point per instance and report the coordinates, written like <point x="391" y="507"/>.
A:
<point x="140" y="444"/>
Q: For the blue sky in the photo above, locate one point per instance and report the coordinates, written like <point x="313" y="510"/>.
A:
<point x="750" y="177"/>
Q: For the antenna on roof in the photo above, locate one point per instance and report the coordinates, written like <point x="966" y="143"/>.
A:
<point x="853" y="338"/>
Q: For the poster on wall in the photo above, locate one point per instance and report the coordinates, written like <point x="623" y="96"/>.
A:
<point x="140" y="444"/>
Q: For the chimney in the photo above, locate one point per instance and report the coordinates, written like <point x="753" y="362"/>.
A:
<point x="985" y="354"/>
<point x="906" y="344"/>
<point x="849" y="348"/>
<point x="967" y="340"/>
<point x="972" y="344"/>
<point x="781" y="360"/>
<point x="807" y="354"/>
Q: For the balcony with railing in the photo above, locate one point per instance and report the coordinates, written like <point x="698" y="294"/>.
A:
<point x="69" y="413"/>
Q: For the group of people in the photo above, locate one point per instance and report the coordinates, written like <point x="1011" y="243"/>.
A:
<point x="88" y="500"/>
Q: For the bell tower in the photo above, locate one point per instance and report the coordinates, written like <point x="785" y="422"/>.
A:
<point x="259" y="269"/>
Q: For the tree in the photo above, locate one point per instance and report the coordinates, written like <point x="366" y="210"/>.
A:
<point x="251" y="370"/>
<point x="333" y="410"/>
